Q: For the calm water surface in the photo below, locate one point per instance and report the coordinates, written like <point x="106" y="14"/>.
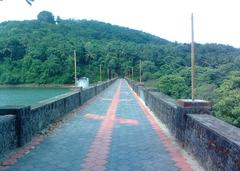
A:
<point x="28" y="96"/>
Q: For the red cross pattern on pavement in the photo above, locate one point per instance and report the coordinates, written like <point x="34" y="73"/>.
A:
<point x="96" y="158"/>
<point x="112" y="119"/>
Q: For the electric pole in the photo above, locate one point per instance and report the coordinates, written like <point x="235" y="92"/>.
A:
<point x="100" y="72"/>
<point x="193" y="60"/>
<point x="140" y="71"/>
<point x="132" y="73"/>
<point x="75" y="67"/>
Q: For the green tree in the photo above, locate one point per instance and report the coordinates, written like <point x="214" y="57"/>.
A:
<point x="174" y="86"/>
<point x="46" y="16"/>
<point x="13" y="49"/>
<point x="147" y="76"/>
<point x="148" y="66"/>
<point x="227" y="103"/>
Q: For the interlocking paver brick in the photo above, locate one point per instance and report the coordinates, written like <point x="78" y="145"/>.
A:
<point x="112" y="133"/>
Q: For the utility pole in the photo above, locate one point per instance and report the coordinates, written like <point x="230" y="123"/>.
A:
<point x="132" y="73"/>
<point x="108" y="73"/>
<point x="140" y="71"/>
<point x="75" y="67"/>
<point x="193" y="60"/>
<point x="100" y="72"/>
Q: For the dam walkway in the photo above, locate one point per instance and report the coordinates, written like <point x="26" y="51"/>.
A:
<point x="114" y="131"/>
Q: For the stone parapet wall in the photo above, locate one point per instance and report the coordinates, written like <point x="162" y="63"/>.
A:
<point x="8" y="135"/>
<point x="21" y="123"/>
<point x="214" y="143"/>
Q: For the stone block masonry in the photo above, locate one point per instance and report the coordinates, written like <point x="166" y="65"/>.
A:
<point x="19" y="124"/>
<point x="8" y="136"/>
<point x="214" y="143"/>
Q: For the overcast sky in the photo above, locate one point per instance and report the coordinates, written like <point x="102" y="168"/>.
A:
<point x="216" y="21"/>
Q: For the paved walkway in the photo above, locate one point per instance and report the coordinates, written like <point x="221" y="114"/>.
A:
<point x="114" y="132"/>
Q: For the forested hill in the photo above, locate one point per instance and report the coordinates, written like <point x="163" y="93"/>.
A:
<point x="41" y="51"/>
<point x="44" y="49"/>
<point x="83" y="29"/>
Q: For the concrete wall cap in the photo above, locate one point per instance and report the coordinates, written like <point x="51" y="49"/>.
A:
<point x="194" y="103"/>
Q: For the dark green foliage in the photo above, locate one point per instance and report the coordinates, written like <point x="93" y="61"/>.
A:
<point x="13" y="49"/>
<point x="46" y="16"/>
<point x="227" y="103"/>
<point x="40" y="51"/>
<point x="174" y="86"/>
<point x="147" y="76"/>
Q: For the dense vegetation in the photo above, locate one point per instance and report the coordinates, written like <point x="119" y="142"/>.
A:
<point x="41" y="51"/>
